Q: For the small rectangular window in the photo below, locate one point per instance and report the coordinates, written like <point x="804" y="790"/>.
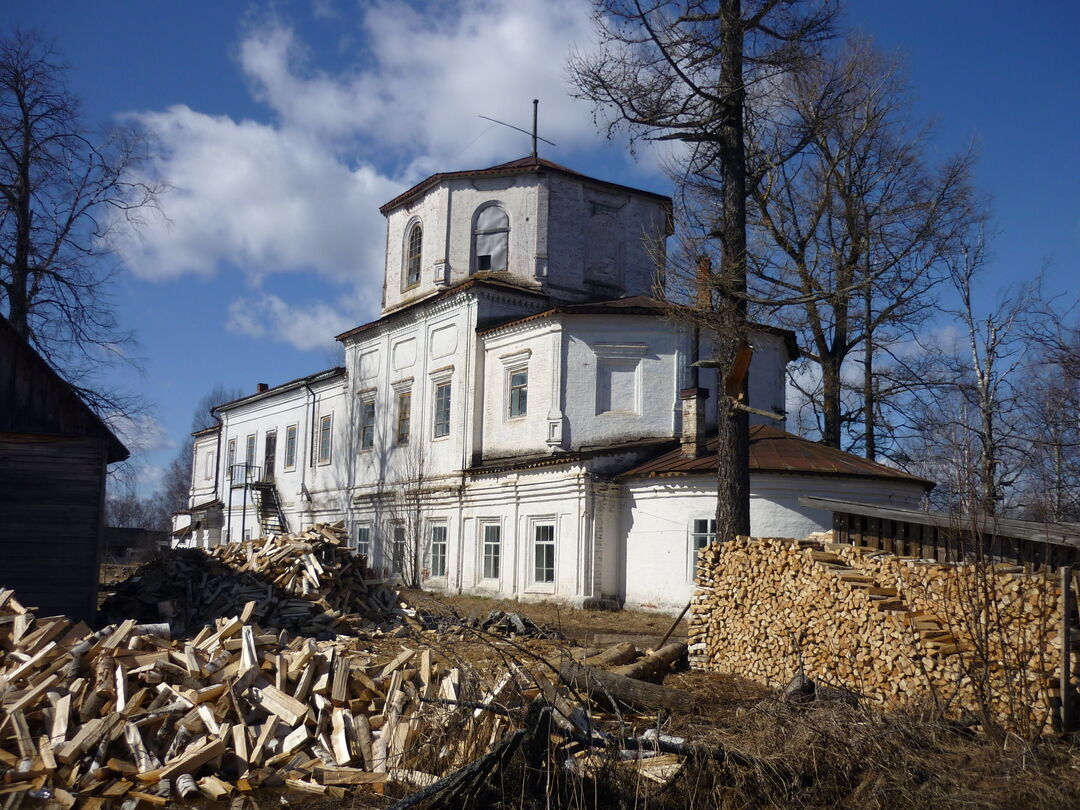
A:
<point x="397" y="551"/>
<point x="492" y="550"/>
<point x="519" y="392"/>
<point x="208" y="473"/>
<point x="290" y="447"/>
<point x="442" y="410"/>
<point x="249" y="450"/>
<point x="367" y="424"/>
<point x="544" y="553"/>
<point x="404" y="413"/>
<point x="438" y="551"/>
<point x="704" y="532"/>
<point x="361" y="545"/>
<point x="231" y="459"/>
<point x="325" y="436"/>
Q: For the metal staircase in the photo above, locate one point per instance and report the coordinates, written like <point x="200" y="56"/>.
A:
<point x="272" y="519"/>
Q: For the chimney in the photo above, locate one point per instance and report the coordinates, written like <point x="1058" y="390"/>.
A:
<point x="260" y="387"/>
<point x="693" y="421"/>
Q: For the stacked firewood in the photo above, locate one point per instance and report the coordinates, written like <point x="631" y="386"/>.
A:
<point x="889" y="628"/>
<point x="130" y="713"/>
<point x="307" y="582"/>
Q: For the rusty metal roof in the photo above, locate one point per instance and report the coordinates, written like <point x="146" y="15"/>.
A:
<point x="773" y="451"/>
<point x="523" y="165"/>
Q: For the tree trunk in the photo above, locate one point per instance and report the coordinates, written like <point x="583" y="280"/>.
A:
<point x="733" y="447"/>
<point x="869" y="441"/>
<point x="830" y="401"/>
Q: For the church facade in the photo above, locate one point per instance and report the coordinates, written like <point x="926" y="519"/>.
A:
<point x="521" y="420"/>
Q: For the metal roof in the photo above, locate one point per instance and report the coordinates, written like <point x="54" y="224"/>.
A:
<point x="773" y="451"/>
<point x="523" y="165"/>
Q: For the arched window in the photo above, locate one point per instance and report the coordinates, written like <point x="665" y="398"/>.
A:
<point x="412" y="255"/>
<point x="491" y="235"/>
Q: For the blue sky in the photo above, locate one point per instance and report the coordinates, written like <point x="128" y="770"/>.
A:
<point x="285" y="125"/>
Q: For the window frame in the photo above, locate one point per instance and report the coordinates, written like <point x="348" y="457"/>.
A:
<point x="354" y="541"/>
<point x="405" y="396"/>
<point x="485" y="543"/>
<point x="230" y="458"/>
<point x="409" y="257"/>
<point x="250" y="446"/>
<point x="291" y="434"/>
<point x="440" y="385"/>
<point x="511" y="389"/>
<point x="326" y="428"/>
<point x="696" y="536"/>
<point x="366" y="426"/>
<point x="476" y="232"/>
<point x="547" y="584"/>
<point x="444" y="543"/>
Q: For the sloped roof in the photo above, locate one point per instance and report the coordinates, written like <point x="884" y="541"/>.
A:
<point x="318" y="376"/>
<point x="34" y="398"/>
<point x="773" y="451"/>
<point x="525" y="165"/>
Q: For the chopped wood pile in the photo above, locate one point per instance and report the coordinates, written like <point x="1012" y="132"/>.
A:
<point x="514" y="625"/>
<point x="890" y="628"/>
<point x="307" y="582"/>
<point x="128" y="712"/>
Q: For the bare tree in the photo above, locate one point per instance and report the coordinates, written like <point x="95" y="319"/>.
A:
<point x="681" y="71"/>
<point x="969" y="430"/>
<point x="176" y="483"/>
<point x="854" y="231"/>
<point x="63" y="193"/>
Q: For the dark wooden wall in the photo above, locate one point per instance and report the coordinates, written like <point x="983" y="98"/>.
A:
<point x="51" y="509"/>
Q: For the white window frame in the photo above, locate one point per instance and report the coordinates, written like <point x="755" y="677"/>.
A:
<point x="323" y="459"/>
<point x="698" y="540"/>
<point x="230" y="459"/>
<point x="510" y="388"/>
<point x="366" y="427"/>
<point x="406" y="394"/>
<point x="291" y="434"/>
<point x="250" y="446"/>
<point x="355" y="545"/>
<point x="535" y="524"/>
<point x="439" y="379"/>
<point x="407" y="255"/>
<point x="442" y="527"/>
<point x="483" y="547"/>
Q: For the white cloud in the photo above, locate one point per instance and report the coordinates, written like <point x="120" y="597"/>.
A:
<point x="305" y="327"/>
<point x="140" y="433"/>
<point x="300" y="192"/>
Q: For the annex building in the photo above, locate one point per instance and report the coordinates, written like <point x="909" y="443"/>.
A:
<point x="520" y="421"/>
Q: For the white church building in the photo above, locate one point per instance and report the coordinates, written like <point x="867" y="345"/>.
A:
<point x="513" y="422"/>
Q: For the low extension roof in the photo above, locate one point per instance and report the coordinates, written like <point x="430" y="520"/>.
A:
<point x="773" y="451"/>
<point x="525" y="165"/>
<point x="633" y="305"/>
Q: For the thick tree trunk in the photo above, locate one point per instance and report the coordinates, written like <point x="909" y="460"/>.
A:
<point x="733" y="474"/>
<point x="869" y="439"/>
<point x="830" y="402"/>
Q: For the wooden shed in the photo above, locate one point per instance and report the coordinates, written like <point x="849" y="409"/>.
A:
<point x="54" y="452"/>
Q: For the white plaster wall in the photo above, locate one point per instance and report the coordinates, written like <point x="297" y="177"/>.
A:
<point x="446" y="212"/>
<point x="658" y="519"/>
<point x="325" y="483"/>
<point x="536" y="349"/>
<point x="766" y="385"/>
<point x="204" y="449"/>
<point x="660" y="350"/>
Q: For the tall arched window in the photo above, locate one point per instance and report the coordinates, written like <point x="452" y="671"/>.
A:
<point x="491" y="235"/>
<point x="412" y="255"/>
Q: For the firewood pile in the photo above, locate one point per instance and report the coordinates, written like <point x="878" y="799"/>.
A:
<point x="889" y="628"/>
<point x="306" y="582"/>
<point x="130" y="713"/>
